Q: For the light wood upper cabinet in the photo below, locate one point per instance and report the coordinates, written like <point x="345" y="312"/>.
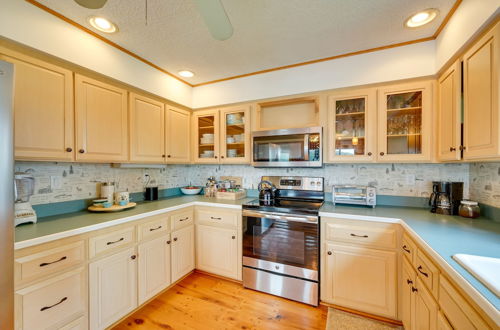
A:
<point x="449" y="114"/>
<point x="206" y="136"/>
<point x="481" y="97"/>
<point x="147" y="129"/>
<point x="43" y="111"/>
<point x="352" y="124"/>
<point x="404" y="122"/>
<point x="178" y="135"/>
<point x="101" y="121"/>
<point x="235" y="135"/>
<point x="183" y="260"/>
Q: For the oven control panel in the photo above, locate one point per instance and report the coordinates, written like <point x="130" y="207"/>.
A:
<point x="296" y="182"/>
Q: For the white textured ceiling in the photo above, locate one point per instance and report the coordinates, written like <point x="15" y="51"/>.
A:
<point x="267" y="33"/>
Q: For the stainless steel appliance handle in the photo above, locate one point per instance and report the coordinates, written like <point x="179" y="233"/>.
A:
<point x="280" y="216"/>
<point x="306" y="147"/>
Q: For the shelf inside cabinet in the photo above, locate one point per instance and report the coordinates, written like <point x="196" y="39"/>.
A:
<point x="349" y="137"/>
<point x="351" y="114"/>
<point x="402" y="135"/>
<point x="404" y="109"/>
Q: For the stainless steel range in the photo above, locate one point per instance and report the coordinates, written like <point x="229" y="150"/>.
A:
<point x="281" y="239"/>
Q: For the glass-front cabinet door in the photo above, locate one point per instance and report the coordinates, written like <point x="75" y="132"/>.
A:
<point x="235" y="135"/>
<point x="351" y="126"/>
<point x="405" y="122"/>
<point x="206" y="136"/>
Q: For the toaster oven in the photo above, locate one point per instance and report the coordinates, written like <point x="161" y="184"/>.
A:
<point x="354" y="194"/>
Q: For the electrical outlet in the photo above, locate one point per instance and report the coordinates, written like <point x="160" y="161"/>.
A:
<point x="55" y="182"/>
<point x="410" y="179"/>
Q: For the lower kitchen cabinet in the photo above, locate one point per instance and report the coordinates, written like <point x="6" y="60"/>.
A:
<point x="154" y="267"/>
<point x="113" y="288"/>
<point x="361" y="278"/>
<point x="217" y="250"/>
<point x="182" y="252"/>
<point x="426" y="309"/>
<point x="442" y="322"/>
<point x="407" y="297"/>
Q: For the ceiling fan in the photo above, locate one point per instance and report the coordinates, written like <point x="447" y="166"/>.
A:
<point x="212" y="11"/>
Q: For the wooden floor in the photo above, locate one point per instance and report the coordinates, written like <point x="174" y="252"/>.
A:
<point x="204" y="302"/>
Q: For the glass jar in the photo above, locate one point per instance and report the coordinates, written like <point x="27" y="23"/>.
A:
<point x="469" y="209"/>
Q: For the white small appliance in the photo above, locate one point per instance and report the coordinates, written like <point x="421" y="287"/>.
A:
<point x="24" y="186"/>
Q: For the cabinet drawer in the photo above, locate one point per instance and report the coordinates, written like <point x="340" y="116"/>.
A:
<point x="458" y="312"/>
<point x="217" y="217"/>
<point x="110" y="242"/>
<point x="427" y="272"/>
<point x="53" y="302"/>
<point x="409" y="248"/>
<point x="50" y="261"/>
<point x="158" y="225"/>
<point x="182" y="219"/>
<point x="363" y="233"/>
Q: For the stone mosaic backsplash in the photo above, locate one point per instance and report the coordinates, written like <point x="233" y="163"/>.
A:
<point x="485" y="183"/>
<point x="58" y="182"/>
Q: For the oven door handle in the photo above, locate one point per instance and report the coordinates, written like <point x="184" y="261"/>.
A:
<point x="306" y="219"/>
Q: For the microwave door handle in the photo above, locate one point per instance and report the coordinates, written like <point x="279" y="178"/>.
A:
<point x="306" y="147"/>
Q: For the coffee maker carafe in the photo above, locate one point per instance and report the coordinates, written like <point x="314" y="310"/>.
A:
<point x="446" y="197"/>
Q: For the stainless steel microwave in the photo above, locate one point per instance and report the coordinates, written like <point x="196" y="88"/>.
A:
<point x="295" y="147"/>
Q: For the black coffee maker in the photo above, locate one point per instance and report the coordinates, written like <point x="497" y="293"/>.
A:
<point x="446" y="197"/>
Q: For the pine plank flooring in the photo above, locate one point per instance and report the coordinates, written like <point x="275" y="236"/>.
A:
<point x="204" y="302"/>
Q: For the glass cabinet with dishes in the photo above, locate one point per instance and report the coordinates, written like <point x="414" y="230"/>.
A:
<point x="352" y="126"/>
<point x="405" y="122"/>
<point x="206" y="139"/>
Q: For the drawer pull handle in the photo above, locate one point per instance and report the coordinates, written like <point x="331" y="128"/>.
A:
<point x="362" y="236"/>
<point x="421" y="272"/>
<point x="409" y="281"/>
<point x="184" y="219"/>
<point x="49" y="307"/>
<point x="214" y="218"/>
<point x="414" y="289"/>
<point x="406" y="249"/>
<point x="153" y="229"/>
<point x="121" y="239"/>
<point x="53" y="262"/>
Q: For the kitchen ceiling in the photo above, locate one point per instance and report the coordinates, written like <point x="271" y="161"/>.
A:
<point x="267" y="33"/>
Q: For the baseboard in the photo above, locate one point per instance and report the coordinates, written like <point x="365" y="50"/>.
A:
<point x="367" y="315"/>
<point x="218" y="276"/>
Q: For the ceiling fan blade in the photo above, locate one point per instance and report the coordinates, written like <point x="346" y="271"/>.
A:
<point x="91" y="4"/>
<point x="215" y="18"/>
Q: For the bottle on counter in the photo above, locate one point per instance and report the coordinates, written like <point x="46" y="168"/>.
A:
<point x="469" y="209"/>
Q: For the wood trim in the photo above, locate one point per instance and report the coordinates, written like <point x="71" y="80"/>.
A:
<point x="218" y="276"/>
<point x="447" y="18"/>
<point x="363" y="314"/>
<point x="109" y="42"/>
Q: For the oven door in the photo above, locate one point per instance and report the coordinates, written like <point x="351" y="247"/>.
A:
<point x="281" y="243"/>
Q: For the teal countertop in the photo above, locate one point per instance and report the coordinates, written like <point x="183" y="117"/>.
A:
<point x="445" y="235"/>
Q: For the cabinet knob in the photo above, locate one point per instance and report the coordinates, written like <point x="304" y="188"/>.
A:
<point x="220" y="157"/>
<point x="233" y="237"/>
<point x="462" y="148"/>
<point x="453" y="149"/>
<point x="133" y="257"/>
<point x="168" y="156"/>
<point x="69" y="149"/>
<point x="382" y="153"/>
<point x="369" y="153"/>
<point x="81" y="151"/>
<point x="169" y="241"/>
<point x="329" y="253"/>
<point x="175" y="239"/>
<point x="215" y="157"/>
<point x="413" y="289"/>
<point x="163" y="156"/>
<point x="409" y="281"/>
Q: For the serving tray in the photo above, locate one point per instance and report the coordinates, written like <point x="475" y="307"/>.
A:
<point x="114" y="208"/>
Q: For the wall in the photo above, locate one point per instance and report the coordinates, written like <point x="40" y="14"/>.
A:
<point x="80" y="181"/>
<point x="485" y="183"/>
<point x="27" y="24"/>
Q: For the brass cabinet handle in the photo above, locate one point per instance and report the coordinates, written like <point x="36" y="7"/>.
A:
<point x="153" y="229"/>
<point x="49" y="307"/>
<point x="406" y="249"/>
<point x="175" y="239"/>
<point x="382" y="153"/>
<point x="113" y="242"/>
<point x="81" y="151"/>
<point x="69" y="149"/>
<point x="413" y="289"/>
<point x="184" y="219"/>
<point x="43" y="264"/>
<point x="421" y="272"/>
<point x="329" y="253"/>
<point x="453" y="149"/>
<point x="214" y="218"/>
<point x="409" y="281"/>
<point x="362" y="236"/>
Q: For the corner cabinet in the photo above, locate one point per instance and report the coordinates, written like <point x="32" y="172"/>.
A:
<point x="404" y="123"/>
<point x="101" y="121"/>
<point x="146" y="129"/>
<point x="178" y="135"/>
<point x="182" y="252"/>
<point x="352" y="126"/>
<point x="43" y="111"/>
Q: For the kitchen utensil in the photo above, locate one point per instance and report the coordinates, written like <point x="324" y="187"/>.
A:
<point x="108" y="190"/>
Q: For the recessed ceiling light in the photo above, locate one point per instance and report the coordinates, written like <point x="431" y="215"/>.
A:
<point x="186" y="73"/>
<point x="421" y="18"/>
<point x="102" y="24"/>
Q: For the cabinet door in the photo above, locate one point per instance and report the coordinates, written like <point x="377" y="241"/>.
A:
<point x="101" y="121"/>
<point x="352" y="126"/>
<point x="182" y="252"/>
<point x="408" y="278"/>
<point x="113" y="288"/>
<point x="217" y="250"/>
<point x="426" y="309"/>
<point x="206" y="136"/>
<point x="442" y="322"/>
<point x="43" y="111"/>
<point x="235" y="135"/>
<point x="177" y="133"/>
<point x="404" y="126"/>
<point x="361" y="278"/>
<point x="154" y="267"/>
<point x="147" y="129"/>
<point x="481" y="97"/>
<point x="449" y="114"/>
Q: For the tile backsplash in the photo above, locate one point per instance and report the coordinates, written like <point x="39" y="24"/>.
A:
<point x="58" y="182"/>
<point x="485" y="183"/>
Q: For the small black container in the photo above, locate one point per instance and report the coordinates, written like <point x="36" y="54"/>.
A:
<point x="151" y="194"/>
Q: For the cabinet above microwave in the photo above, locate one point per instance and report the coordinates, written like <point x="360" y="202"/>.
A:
<point x="297" y="147"/>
